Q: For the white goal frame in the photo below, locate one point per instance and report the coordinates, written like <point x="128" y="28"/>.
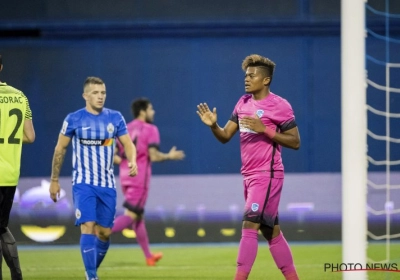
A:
<point x="354" y="136"/>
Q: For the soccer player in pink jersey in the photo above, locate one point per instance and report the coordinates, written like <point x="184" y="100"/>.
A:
<point x="146" y="137"/>
<point x="266" y="123"/>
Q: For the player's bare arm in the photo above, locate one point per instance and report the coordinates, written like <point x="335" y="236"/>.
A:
<point x="58" y="159"/>
<point x="210" y="119"/>
<point x="130" y="152"/>
<point x="289" y="138"/>
<point x="29" y="132"/>
<point x="173" y="154"/>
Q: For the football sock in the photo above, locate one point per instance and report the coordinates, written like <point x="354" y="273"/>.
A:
<point x="122" y="222"/>
<point x="88" y="251"/>
<point x="282" y="256"/>
<point x="10" y="253"/>
<point x="142" y="238"/>
<point x="247" y="253"/>
<point x="101" y="250"/>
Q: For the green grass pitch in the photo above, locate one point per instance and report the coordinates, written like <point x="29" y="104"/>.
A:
<point x="193" y="261"/>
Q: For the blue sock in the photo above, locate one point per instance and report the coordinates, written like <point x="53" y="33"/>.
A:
<point x="101" y="248"/>
<point x="88" y="251"/>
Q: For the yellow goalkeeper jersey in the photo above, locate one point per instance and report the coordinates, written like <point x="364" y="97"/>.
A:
<point x="14" y="109"/>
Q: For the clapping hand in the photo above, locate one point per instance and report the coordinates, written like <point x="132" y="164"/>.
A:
<point x="207" y="117"/>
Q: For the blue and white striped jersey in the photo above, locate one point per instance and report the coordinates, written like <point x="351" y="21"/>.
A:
<point x="93" y="142"/>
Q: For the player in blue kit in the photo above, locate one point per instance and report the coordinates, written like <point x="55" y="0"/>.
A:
<point x="93" y="131"/>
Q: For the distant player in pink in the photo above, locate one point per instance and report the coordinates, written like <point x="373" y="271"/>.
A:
<point x="146" y="138"/>
<point x="266" y="123"/>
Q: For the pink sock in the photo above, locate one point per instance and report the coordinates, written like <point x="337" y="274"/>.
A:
<point x="282" y="255"/>
<point x="142" y="238"/>
<point x="247" y="253"/>
<point x="122" y="222"/>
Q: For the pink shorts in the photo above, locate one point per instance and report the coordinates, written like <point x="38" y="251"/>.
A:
<point x="135" y="198"/>
<point x="262" y="195"/>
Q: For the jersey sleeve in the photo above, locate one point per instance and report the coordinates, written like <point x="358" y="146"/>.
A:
<point x="154" y="138"/>
<point x="234" y="115"/>
<point x="121" y="126"/>
<point x="284" y="116"/>
<point x="68" y="127"/>
<point x="28" y="112"/>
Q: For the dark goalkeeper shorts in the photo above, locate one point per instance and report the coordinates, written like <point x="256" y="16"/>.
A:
<point x="6" y="202"/>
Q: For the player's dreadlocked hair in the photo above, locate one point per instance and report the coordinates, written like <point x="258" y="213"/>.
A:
<point x="1" y="60"/>
<point x="256" y="60"/>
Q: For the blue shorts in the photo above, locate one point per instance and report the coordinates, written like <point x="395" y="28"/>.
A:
<point x="94" y="204"/>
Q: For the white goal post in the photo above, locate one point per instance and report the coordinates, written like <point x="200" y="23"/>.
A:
<point x="354" y="136"/>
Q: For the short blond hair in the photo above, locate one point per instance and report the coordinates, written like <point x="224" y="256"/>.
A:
<point x="92" y="81"/>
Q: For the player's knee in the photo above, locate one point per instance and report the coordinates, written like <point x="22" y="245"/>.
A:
<point x="6" y="236"/>
<point x="104" y="233"/>
<point x="250" y="225"/>
<point x="87" y="228"/>
<point x="132" y="214"/>
<point x="3" y="230"/>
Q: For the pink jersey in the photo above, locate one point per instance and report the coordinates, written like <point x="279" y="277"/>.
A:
<point x="144" y="135"/>
<point x="261" y="155"/>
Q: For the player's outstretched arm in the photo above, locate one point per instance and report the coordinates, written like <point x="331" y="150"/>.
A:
<point x="29" y="132"/>
<point x="130" y="152"/>
<point x="210" y="119"/>
<point x="173" y="154"/>
<point x="58" y="159"/>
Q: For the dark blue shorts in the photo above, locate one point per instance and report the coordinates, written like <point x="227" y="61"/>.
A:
<point x="94" y="204"/>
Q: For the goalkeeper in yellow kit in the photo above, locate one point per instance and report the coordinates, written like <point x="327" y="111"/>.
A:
<point x="16" y="128"/>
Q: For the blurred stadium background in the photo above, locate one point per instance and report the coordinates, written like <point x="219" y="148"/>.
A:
<point x="179" y="53"/>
